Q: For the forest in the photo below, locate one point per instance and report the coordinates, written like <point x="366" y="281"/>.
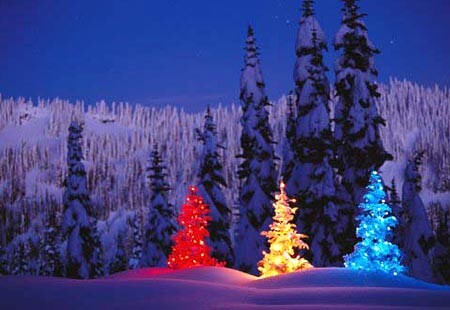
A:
<point x="131" y="166"/>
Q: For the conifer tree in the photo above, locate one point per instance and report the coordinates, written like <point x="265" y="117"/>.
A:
<point x="312" y="179"/>
<point x="374" y="251"/>
<point x="190" y="248"/>
<point x="288" y="142"/>
<point x="50" y="247"/>
<point x="419" y="239"/>
<point x="441" y="255"/>
<point x="79" y="224"/>
<point x="397" y="210"/>
<point x="211" y="183"/>
<point x="257" y="172"/>
<point x="359" y="148"/>
<point x="394" y="200"/>
<point x="3" y="261"/>
<point x="135" y="260"/>
<point x="284" y="241"/>
<point x="19" y="264"/>
<point x="98" y="263"/>
<point x="161" y="219"/>
<point x="120" y="258"/>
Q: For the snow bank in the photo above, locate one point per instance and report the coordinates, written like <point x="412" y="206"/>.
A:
<point x="341" y="277"/>
<point x="222" y="288"/>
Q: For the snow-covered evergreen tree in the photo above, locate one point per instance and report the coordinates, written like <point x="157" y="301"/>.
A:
<point x="312" y="181"/>
<point x="441" y="253"/>
<point x="98" y="266"/>
<point x="135" y="260"/>
<point x="120" y="258"/>
<point x="3" y="261"/>
<point x="258" y="170"/>
<point x="394" y="200"/>
<point x="19" y="263"/>
<point x="419" y="239"/>
<point x="359" y="149"/>
<point x="79" y="225"/>
<point x="397" y="209"/>
<point x="161" y="221"/>
<point x="50" y="247"/>
<point x="210" y="185"/>
<point x="288" y="140"/>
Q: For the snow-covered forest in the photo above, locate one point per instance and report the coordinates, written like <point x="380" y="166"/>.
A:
<point x="91" y="190"/>
<point x="118" y="139"/>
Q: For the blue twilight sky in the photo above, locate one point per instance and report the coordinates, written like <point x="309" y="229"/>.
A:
<point x="190" y="53"/>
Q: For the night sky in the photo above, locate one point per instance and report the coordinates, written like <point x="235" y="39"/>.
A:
<point x="190" y="53"/>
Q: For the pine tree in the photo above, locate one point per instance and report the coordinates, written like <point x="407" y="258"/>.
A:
<point x="288" y="141"/>
<point x="441" y="257"/>
<point x="374" y="251"/>
<point x="79" y="226"/>
<point x="394" y="200"/>
<point x="50" y="247"/>
<point x="257" y="172"/>
<point x="312" y="180"/>
<point x="211" y="182"/>
<point x="137" y="241"/>
<point x="397" y="210"/>
<point x="359" y="148"/>
<point x="284" y="241"/>
<point x="419" y="239"/>
<point x="161" y="223"/>
<point x="190" y="248"/>
<point x="21" y="255"/>
<point x="120" y="258"/>
<point x="92" y="236"/>
<point x="3" y="261"/>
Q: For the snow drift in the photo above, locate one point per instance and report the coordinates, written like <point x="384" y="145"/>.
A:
<point x="221" y="288"/>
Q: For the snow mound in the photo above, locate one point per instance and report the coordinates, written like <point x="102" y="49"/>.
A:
<point x="342" y="277"/>
<point x="198" y="274"/>
<point x="222" y="288"/>
<point x="144" y="273"/>
<point x="211" y="274"/>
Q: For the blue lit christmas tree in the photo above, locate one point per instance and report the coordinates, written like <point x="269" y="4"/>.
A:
<point x="374" y="252"/>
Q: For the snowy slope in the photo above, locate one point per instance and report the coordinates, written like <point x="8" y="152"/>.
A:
<point x="118" y="139"/>
<point x="221" y="288"/>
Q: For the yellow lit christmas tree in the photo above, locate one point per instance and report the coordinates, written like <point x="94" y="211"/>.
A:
<point x="283" y="240"/>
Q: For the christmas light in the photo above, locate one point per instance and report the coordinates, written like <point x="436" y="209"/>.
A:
<point x="190" y="249"/>
<point x="373" y="252"/>
<point x="283" y="241"/>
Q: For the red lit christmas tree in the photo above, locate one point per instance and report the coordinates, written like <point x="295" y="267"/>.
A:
<point x="190" y="248"/>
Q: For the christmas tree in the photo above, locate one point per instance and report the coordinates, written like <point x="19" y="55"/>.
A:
<point x="283" y="240"/>
<point x="374" y="252"/>
<point x="190" y="248"/>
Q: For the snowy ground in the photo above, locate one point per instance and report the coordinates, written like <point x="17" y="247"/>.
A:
<point x="220" y="288"/>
